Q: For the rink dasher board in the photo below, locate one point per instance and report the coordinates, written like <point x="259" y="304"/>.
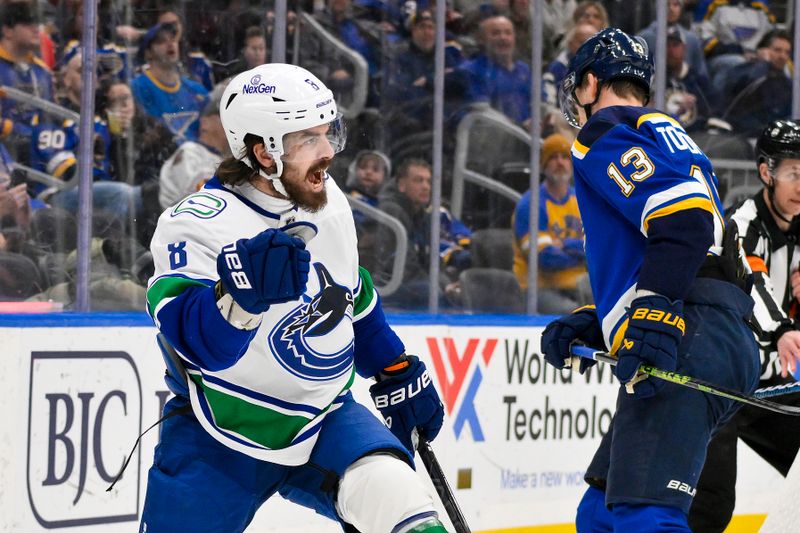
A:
<point x="78" y="389"/>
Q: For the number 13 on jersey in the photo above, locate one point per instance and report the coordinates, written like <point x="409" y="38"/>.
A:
<point x="643" y="169"/>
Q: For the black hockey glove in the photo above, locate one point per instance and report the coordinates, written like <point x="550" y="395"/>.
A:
<point x="655" y="329"/>
<point x="581" y="325"/>
<point x="407" y="399"/>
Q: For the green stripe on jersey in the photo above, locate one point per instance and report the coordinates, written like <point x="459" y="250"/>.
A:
<point x="431" y="525"/>
<point x="262" y="425"/>
<point x="168" y="287"/>
<point x="366" y="294"/>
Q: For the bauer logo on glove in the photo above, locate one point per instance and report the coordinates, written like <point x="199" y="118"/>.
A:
<point x="238" y="277"/>
<point x="408" y="401"/>
<point x="407" y="392"/>
<point x="655" y="329"/>
<point x="657" y="315"/>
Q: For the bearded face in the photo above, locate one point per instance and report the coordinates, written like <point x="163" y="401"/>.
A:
<point x="306" y="188"/>
<point x="558" y="169"/>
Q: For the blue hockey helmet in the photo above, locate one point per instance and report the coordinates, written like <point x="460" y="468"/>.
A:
<point x="610" y="54"/>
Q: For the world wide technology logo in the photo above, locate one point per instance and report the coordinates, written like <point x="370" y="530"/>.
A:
<point x="444" y="355"/>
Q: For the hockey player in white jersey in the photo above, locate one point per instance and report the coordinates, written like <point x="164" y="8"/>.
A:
<point x="257" y="287"/>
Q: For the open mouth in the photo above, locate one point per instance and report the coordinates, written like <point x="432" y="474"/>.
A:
<point x="316" y="178"/>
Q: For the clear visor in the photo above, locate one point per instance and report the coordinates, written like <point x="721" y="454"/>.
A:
<point x="314" y="144"/>
<point x="567" y="100"/>
<point x="788" y="172"/>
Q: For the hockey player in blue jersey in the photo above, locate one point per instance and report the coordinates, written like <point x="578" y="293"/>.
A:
<point x="271" y="331"/>
<point x="668" y="283"/>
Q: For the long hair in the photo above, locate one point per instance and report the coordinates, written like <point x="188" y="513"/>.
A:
<point x="234" y="171"/>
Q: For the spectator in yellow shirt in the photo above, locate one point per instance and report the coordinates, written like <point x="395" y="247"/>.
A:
<point x="563" y="281"/>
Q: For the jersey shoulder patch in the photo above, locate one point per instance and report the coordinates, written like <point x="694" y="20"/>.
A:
<point x="201" y="204"/>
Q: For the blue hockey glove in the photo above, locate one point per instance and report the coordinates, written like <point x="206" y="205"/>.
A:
<point x="655" y="329"/>
<point x="583" y="326"/>
<point x="270" y="268"/>
<point x="407" y="399"/>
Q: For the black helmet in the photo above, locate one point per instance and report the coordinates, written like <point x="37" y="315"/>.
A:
<point x="780" y="140"/>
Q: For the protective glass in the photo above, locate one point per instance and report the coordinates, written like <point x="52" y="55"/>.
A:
<point x="568" y="100"/>
<point x="313" y="144"/>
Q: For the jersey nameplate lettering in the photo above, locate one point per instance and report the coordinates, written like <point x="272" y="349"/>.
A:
<point x="677" y="139"/>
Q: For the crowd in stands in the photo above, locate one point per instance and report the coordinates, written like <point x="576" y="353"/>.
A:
<point x="162" y="64"/>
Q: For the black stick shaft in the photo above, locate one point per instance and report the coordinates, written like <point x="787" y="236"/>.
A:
<point x="442" y="487"/>
<point x="689" y="381"/>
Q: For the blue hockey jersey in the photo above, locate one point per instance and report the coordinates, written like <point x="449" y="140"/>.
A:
<point x="178" y="106"/>
<point x="633" y="166"/>
<point x="54" y="149"/>
<point x="32" y="77"/>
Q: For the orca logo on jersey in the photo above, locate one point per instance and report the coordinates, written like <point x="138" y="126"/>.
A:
<point x="314" y="341"/>
<point x="201" y="205"/>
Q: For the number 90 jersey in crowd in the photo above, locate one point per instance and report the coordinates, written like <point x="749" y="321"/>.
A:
<point x="269" y="400"/>
<point x="634" y="165"/>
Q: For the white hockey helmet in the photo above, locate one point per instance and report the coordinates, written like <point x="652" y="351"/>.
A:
<point x="272" y="100"/>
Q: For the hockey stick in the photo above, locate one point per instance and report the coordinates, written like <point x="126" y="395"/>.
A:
<point x="688" y="381"/>
<point x="441" y="485"/>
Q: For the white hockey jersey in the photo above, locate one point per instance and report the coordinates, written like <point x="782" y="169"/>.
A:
<point x="299" y="363"/>
<point x="185" y="171"/>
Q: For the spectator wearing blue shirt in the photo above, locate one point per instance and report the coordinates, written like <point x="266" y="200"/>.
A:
<point x="694" y="55"/>
<point x="112" y="59"/>
<point x="760" y="91"/>
<point x="54" y="143"/>
<point x="160" y="89"/>
<point x="689" y="93"/>
<point x="348" y="24"/>
<point x="194" y="63"/>
<point x="21" y="69"/>
<point x="409" y="89"/>
<point x="407" y="198"/>
<point x="495" y="77"/>
<point x="363" y="36"/>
